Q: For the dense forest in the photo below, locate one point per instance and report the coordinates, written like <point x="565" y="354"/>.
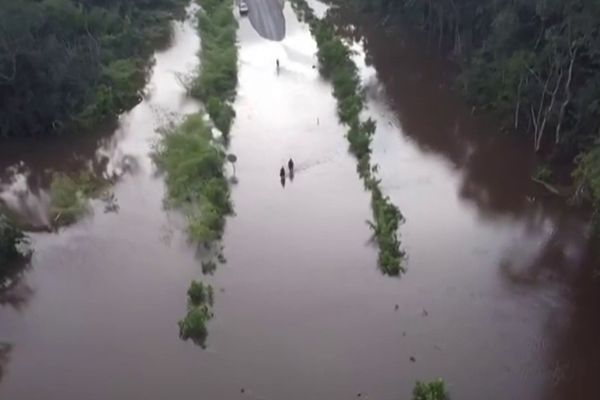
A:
<point x="536" y="63"/>
<point x="66" y="64"/>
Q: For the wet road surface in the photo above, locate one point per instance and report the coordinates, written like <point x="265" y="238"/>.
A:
<point x="267" y="18"/>
<point x="499" y="298"/>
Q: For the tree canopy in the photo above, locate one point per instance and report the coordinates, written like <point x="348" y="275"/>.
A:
<point x="70" y="63"/>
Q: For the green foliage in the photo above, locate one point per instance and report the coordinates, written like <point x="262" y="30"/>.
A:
<point x="193" y="325"/>
<point x="430" y="391"/>
<point x="587" y="173"/>
<point x="69" y="196"/>
<point x="335" y="63"/>
<point x="543" y="173"/>
<point x="217" y="79"/>
<point x="67" y="64"/>
<point x="195" y="179"/>
<point x="10" y="240"/>
<point x="208" y="267"/>
<point x="199" y="294"/>
<point x="200" y="301"/>
<point x="222" y="113"/>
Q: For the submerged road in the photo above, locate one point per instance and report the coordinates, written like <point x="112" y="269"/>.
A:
<point x="266" y="17"/>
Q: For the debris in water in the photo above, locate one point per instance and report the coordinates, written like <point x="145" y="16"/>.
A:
<point x="412" y="359"/>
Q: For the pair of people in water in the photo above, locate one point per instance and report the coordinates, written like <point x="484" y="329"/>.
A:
<point x="290" y="167"/>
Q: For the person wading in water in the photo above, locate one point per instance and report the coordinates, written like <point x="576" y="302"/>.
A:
<point x="291" y="166"/>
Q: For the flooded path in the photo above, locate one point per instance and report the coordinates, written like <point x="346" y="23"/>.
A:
<point x="499" y="298"/>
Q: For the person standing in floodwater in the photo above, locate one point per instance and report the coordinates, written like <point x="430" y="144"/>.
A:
<point x="291" y="166"/>
<point x="282" y="173"/>
<point x="277" y="62"/>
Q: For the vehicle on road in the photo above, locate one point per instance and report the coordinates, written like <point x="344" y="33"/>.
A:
<point x="243" y="7"/>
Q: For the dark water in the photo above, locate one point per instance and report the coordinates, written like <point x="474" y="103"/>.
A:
<point x="499" y="298"/>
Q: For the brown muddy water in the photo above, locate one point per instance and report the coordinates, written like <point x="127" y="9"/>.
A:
<point x="499" y="298"/>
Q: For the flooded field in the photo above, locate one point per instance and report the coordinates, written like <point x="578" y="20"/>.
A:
<point x="499" y="297"/>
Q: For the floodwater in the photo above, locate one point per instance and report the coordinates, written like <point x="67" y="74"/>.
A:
<point x="499" y="298"/>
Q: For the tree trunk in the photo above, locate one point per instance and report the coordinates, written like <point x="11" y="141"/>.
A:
<point x="565" y="103"/>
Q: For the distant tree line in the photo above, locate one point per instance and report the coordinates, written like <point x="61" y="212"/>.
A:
<point x="66" y="64"/>
<point x="535" y="62"/>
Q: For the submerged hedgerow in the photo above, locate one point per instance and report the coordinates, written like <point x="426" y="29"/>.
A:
<point x="196" y="183"/>
<point x="216" y="81"/>
<point x="335" y="64"/>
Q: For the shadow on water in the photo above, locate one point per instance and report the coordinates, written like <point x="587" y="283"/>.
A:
<point x="14" y="292"/>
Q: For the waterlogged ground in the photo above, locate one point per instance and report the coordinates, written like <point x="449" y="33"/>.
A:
<point x="499" y="298"/>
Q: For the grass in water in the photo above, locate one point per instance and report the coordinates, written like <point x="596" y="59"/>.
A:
<point x="70" y="195"/>
<point x="430" y="391"/>
<point x="335" y="64"/>
<point x="216" y="82"/>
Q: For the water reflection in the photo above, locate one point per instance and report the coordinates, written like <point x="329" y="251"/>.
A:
<point x="551" y="255"/>
<point x="14" y="292"/>
<point x="5" y="350"/>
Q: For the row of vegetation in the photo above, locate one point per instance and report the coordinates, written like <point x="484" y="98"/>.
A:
<point x="336" y="64"/>
<point x="194" y="160"/>
<point x="68" y="64"/>
<point x="216" y="82"/>
<point x="196" y="184"/>
<point x="534" y="62"/>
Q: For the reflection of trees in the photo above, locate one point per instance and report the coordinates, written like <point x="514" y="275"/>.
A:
<point x="576" y="357"/>
<point x="14" y="291"/>
<point x="26" y="168"/>
<point x="5" y="350"/>
<point x="495" y="170"/>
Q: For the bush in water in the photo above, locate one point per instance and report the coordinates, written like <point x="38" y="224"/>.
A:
<point x="430" y="391"/>
<point x="193" y="326"/>
<point x="199" y="294"/>
<point x="208" y="267"/>
<point x="200" y="299"/>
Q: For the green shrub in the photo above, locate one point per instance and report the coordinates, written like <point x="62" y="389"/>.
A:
<point x="199" y="294"/>
<point x="587" y="173"/>
<point x="430" y="391"/>
<point x="208" y="267"/>
<point x="193" y="326"/>
<point x="222" y="114"/>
